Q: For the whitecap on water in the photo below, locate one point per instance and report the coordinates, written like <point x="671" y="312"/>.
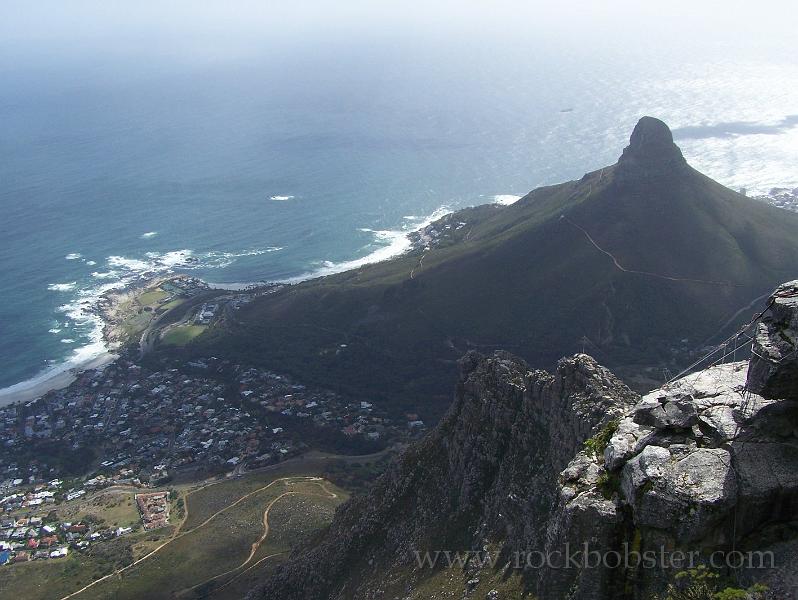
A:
<point x="148" y="235"/>
<point x="80" y="320"/>
<point x="130" y="264"/>
<point x="105" y="275"/>
<point x="281" y="198"/>
<point x="62" y="287"/>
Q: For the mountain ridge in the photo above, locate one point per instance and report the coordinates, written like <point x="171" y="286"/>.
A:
<point x="540" y="278"/>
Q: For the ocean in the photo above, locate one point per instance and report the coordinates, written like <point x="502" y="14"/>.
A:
<point x="306" y="158"/>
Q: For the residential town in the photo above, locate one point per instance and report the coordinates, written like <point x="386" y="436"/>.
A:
<point x="127" y="425"/>
<point x="785" y="198"/>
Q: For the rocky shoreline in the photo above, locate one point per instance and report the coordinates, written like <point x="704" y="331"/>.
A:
<point x="113" y="308"/>
<point x="117" y="307"/>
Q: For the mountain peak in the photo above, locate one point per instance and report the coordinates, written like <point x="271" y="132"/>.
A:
<point x="651" y="152"/>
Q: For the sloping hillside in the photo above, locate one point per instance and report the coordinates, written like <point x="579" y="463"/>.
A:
<point x="626" y="263"/>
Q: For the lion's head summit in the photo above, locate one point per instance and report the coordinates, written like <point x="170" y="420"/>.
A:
<point x="651" y="153"/>
<point x="640" y="263"/>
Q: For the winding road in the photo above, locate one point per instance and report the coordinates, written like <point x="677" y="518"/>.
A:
<point x="256" y="545"/>
<point x="179" y="533"/>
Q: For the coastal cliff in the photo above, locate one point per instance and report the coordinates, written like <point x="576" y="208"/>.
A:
<point x="527" y="461"/>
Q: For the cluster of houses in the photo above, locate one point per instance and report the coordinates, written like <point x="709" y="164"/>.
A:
<point x="31" y="530"/>
<point x="13" y="497"/>
<point x="126" y="424"/>
<point x="234" y="300"/>
<point x="139" y="425"/>
<point x="277" y="396"/>
<point x="129" y="425"/>
<point x="206" y="313"/>
<point x="183" y="285"/>
<point x="27" y="538"/>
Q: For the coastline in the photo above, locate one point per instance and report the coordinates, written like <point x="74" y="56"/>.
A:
<point x="109" y="306"/>
<point x="57" y="380"/>
<point x="109" y="309"/>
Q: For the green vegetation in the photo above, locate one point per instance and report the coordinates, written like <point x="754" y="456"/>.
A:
<point x="609" y="484"/>
<point x="172" y="304"/>
<point x="451" y="582"/>
<point x="114" y="508"/>
<point x="596" y="445"/>
<point x="53" y="579"/>
<point x="703" y="584"/>
<point x="71" y="461"/>
<point x="152" y="297"/>
<point x="356" y="476"/>
<point x="181" y="334"/>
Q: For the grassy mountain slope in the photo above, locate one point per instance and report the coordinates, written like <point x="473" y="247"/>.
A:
<point x="673" y="255"/>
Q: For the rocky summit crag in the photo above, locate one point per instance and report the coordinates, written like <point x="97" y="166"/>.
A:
<point x="650" y="155"/>
<point x="527" y="461"/>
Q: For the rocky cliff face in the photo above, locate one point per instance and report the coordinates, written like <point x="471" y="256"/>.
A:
<point x="527" y="462"/>
<point x="701" y="465"/>
<point x="774" y="366"/>
<point x="487" y="473"/>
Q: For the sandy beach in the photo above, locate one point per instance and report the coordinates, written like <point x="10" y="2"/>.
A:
<point x="59" y="379"/>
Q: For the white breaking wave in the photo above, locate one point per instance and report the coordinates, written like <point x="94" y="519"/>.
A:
<point x="106" y="275"/>
<point x="281" y="198"/>
<point x="91" y="263"/>
<point x="392" y="243"/>
<point x="80" y="318"/>
<point x="130" y="264"/>
<point x="148" y="235"/>
<point x="506" y="199"/>
<point x="62" y="287"/>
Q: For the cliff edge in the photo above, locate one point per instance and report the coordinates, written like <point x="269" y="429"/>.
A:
<point x="534" y="464"/>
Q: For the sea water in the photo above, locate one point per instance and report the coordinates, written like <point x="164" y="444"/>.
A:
<point x="310" y="157"/>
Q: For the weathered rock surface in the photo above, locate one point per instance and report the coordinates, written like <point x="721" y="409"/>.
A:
<point x="774" y="366"/>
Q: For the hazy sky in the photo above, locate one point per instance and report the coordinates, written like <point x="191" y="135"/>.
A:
<point x="231" y="27"/>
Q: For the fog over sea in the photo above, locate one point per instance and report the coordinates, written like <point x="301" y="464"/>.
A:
<point x="301" y="156"/>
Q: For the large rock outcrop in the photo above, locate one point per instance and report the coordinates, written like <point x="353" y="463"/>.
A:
<point x="651" y="155"/>
<point x="702" y="464"/>
<point x="774" y="364"/>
